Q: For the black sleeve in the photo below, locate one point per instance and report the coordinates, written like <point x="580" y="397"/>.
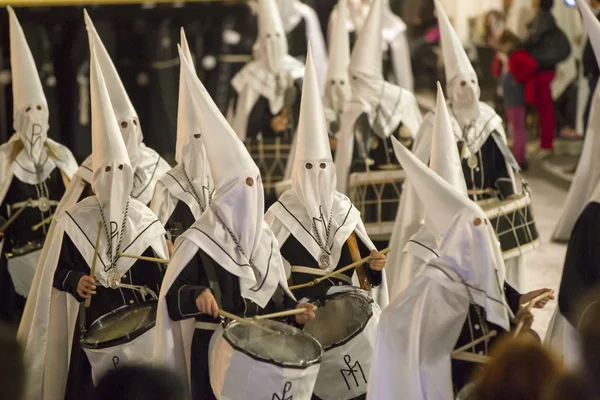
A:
<point x="581" y="272"/>
<point x="513" y="298"/>
<point x="181" y="297"/>
<point x="499" y="172"/>
<point x="374" y="277"/>
<point x="590" y="65"/>
<point x="68" y="272"/>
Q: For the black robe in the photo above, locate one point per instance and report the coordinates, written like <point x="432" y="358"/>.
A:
<point x="180" y="220"/>
<point x="581" y="273"/>
<point x="181" y="304"/>
<point x="71" y="267"/>
<point x="19" y="238"/>
<point x="297" y="255"/>
<point x="463" y="371"/>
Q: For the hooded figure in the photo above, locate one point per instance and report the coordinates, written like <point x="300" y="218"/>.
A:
<point x="397" y="66"/>
<point x="456" y="299"/>
<point x="302" y="26"/>
<point x="183" y="193"/>
<point x="32" y="166"/>
<point x="265" y="112"/>
<point x="337" y="85"/>
<point x="312" y="220"/>
<point x="62" y="279"/>
<point x="229" y="259"/>
<point x="147" y="164"/>
<point x="377" y="109"/>
<point x="411" y="260"/>
<point x="486" y="159"/>
<point x="587" y="173"/>
<point x="581" y="272"/>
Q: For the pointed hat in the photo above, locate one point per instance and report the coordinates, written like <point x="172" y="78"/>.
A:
<point x="367" y="53"/>
<point x="123" y="108"/>
<point x="445" y="160"/>
<point x="339" y="46"/>
<point x="456" y="61"/>
<point x="26" y="84"/>
<point x="186" y="118"/>
<point x="269" y="21"/>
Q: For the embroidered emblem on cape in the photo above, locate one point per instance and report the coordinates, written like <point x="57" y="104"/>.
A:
<point x="352" y="372"/>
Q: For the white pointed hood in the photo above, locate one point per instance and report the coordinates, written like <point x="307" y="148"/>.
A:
<point x="312" y="211"/>
<point x="461" y="79"/>
<point x="272" y="39"/>
<point x="129" y="123"/>
<point x="112" y="178"/>
<point x="190" y="153"/>
<point x="232" y="230"/>
<point x="367" y="54"/>
<point x="29" y="102"/>
<point x="337" y="85"/>
<point x="469" y="245"/>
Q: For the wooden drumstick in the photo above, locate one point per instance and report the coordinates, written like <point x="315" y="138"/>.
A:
<point x="144" y="258"/>
<point x="529" y="306"/>
<point x="470" y="357"/>
<point x="15" y="216"/>
<point x="462" y="349"/>
<point x="363" y="281"/>
<point x="246" y="321"/>
<point x="42" y="223"/>
<point x="339" y="271"/>
<point x="88" y="301"/>
<point x="281" y="314"/>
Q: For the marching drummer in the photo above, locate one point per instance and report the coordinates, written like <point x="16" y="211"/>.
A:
<point x="265" y="110"/>
<point x="316" y="226"/>
<point x="183" y="193"/>
<point x="228" y="260"/>
<point x="487" y="161"/>
<point x="376" y="111"/>
<point x="456" y="304"/>
<point x="83" y="263"/>
<point x="34" y="172"/>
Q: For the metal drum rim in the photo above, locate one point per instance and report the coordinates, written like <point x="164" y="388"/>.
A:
<point x="127" y="338"/>
<point x="270" y="361"/>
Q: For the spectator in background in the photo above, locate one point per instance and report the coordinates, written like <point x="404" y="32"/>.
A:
<point x="590" y="67"/>
<point x="514" y="97"/>
<point x="140" y="383"/>
<point x="12" y="369"/>
<point x="521" y="369"/>
<point x="548" y="46"/>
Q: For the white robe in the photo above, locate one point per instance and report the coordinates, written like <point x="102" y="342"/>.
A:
<point x="48" y="322"/>
<point x="416" y="335"/>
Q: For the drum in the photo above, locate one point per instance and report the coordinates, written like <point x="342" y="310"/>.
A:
<point x="376" y="195"/>
<point x="271" y="156"/>
<point x="120" y="338"/>
<point x="249" y="363"/>
<point x="514" y="224"/>
<point x="346" y="326"/>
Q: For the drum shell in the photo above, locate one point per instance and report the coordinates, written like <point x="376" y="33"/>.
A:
<point x="236" y="376"/>
<point x="136" y="352"/>
<point x="335" y="382"/>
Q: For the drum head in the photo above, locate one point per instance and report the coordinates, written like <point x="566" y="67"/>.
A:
<point x="291" y="348"/>
<point x="120" y="326"/>
<point x="339" y="319"/>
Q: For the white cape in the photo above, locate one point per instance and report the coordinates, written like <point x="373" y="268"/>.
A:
<point x="563" y="339"/>
<point x="586" y="177"/>
<point x="415" y="338"/>
<point x="48" y="322"/>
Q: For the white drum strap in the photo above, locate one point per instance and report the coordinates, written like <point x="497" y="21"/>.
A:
<point x="320" y="272"/>
<point x="144" y="290"/>
<point x="206" y="326"/>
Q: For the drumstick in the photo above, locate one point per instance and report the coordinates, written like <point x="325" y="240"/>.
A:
<point x="280" y="314"/>
<point x="15" y="216"/>
<point x="42" y="223"/>
<point x="529" y="306"/>
<point x="338" y="271"/>
<point x="470" y="357"/>
<point x="88" y="301"/>
<point x="245" y="321"/>
<point x="462" y="349"/>
<point x="144" y="258"/>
